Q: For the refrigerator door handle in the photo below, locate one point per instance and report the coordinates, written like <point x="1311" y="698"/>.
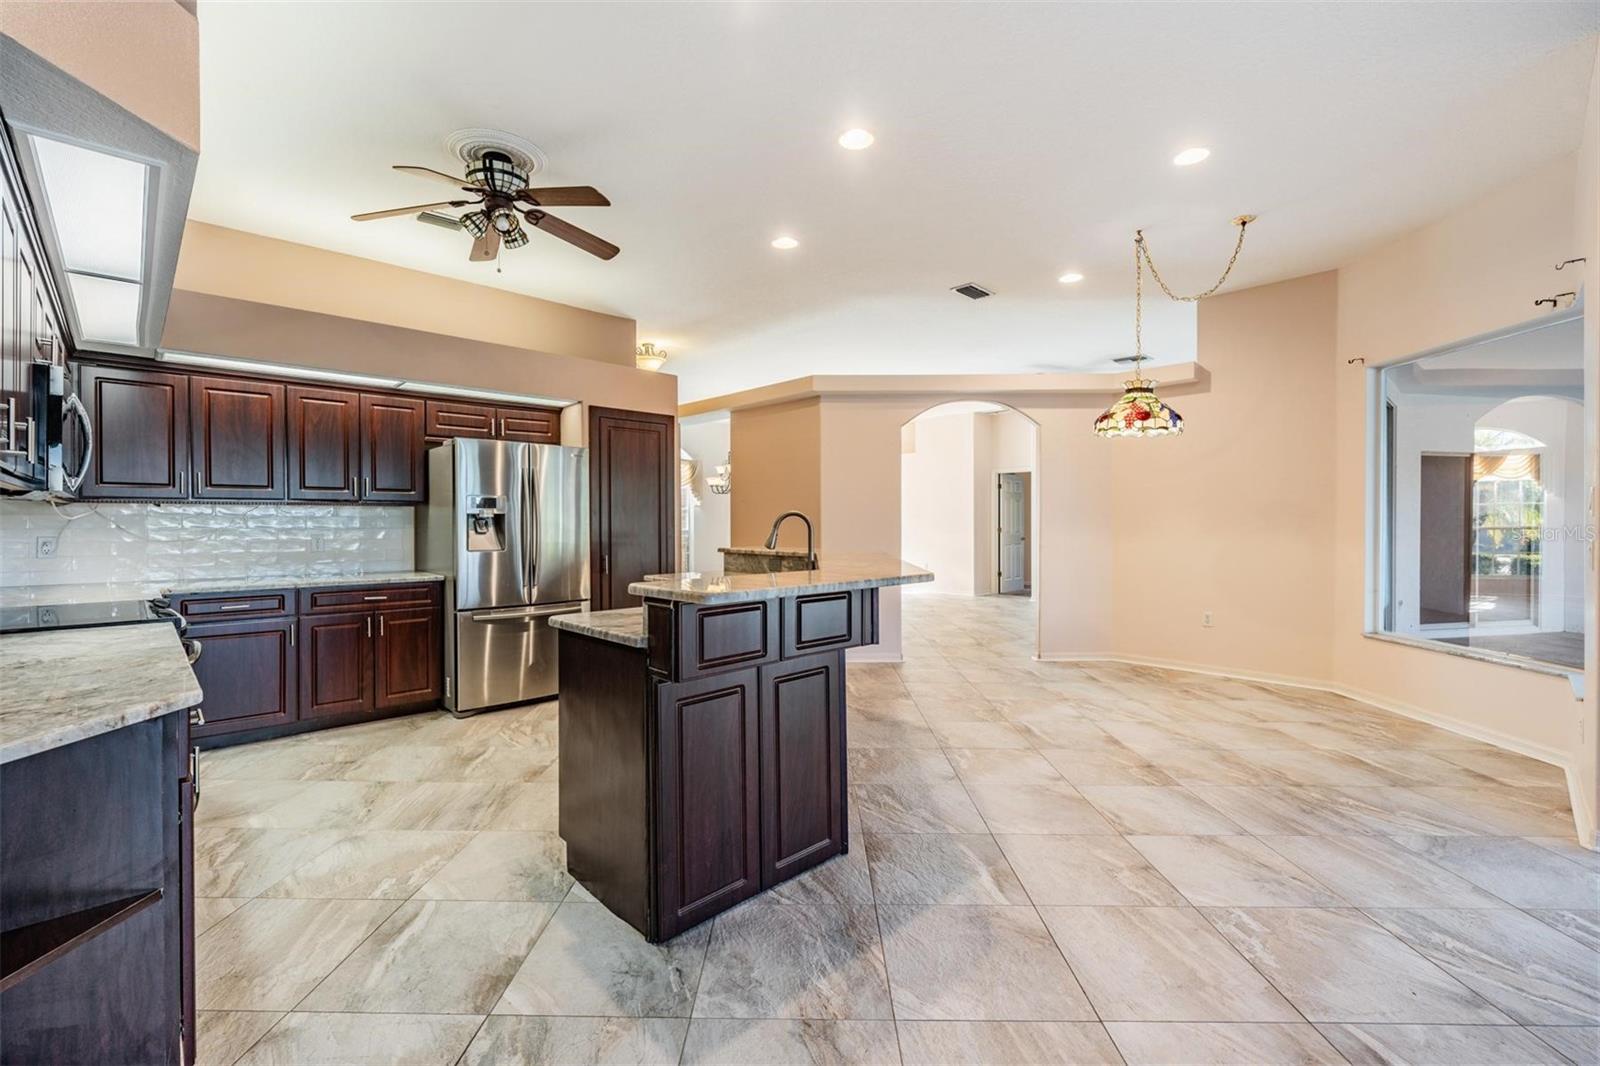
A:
<point x="523" y="614"/>
<point x="530" y="537"/>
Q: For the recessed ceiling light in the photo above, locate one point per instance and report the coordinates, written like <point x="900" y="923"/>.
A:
<point x="1190" y="156"/>
<point x="855" y="140"/>
<point x="785" y="243"/>
<point x="1070" y="278"/>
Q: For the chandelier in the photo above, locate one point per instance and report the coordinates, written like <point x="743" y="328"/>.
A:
<point x="720" y="480"/>
<point x="1139" y="412"/>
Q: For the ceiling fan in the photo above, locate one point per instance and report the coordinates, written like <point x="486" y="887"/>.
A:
<point x="496" y="189"/>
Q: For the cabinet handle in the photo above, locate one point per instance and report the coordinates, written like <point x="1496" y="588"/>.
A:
<point x="292" y="629"/>
<point x="236" y="607"/>
<point x="197" y="716"/>
<point x="374" y="599"/>
<point x="369" y="625"/>
<point x="183" y="483"/>
<point x="366" y="485"/>
<point x="380" y="625"/>
<point x="353" y="492"/>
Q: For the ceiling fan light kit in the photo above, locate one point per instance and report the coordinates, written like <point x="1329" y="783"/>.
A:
<point x="1139" y="412"/>
<point x="498" y="166"/>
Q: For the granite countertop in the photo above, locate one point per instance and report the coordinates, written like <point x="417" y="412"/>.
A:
<point x="780" y="553"/>
<point x="66" y="685"/>
<point x="100" y="592"/>
<point x="834" y="573"/>
<point x="624" y="625"/>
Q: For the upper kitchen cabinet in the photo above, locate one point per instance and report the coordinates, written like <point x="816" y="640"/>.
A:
<point x="236" y="449"/>
<point x="535" y="425"/>
<point x="632" y="472"/>
<point x="324" y="444"/>
<point x="141" y="433"/>
<point x="393" y="456"/>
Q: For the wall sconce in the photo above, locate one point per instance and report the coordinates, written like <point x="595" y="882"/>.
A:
<point x="648" y="357"/>
<point x="720" y="480"/>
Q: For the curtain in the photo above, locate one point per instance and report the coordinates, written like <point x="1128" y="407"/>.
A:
<point x="1505" y="466"/>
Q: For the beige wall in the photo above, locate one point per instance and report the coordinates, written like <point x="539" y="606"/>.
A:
<point x="1475" y="271"/>
<point x="246" y="266"/>
<point x="1236" y="516"/>
<point x="141" y="54"/>
<point x="938" y="524"/>
<point x="777" y="467"/>
<point x="244" y="329"/>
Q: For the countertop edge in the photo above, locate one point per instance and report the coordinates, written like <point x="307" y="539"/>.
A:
<point x="622" y="626"/>
<point x="654" y="591"/>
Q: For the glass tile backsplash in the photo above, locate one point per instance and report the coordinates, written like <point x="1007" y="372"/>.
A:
<point x="192" y="541"/>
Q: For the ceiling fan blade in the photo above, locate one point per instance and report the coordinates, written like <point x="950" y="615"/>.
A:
<point x="565" y="196"/>
<point x="392" y="212"/>
<point x="573" y="235"/>
<point x="429" y="172"/>
<point x="485" y="248"/>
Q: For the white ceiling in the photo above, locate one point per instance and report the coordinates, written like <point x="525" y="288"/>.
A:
<point x="1015" y="142"/>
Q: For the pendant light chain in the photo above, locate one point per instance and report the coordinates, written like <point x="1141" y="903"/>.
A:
<point x="1142" y="250"/>
<point x="1138" y="303"/>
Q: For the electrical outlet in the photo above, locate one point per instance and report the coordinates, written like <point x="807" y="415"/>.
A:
<point x="1205" y="619"/>
<point x="44" y="548"/>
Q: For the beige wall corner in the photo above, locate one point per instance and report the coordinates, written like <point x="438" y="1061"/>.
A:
<point x="777" y="467"/>
<point x="1235" y="517"/>
<point x="242" y="329"/>
<point x="247" y="266"/>
<point x="141" y="54"/>
<point x="1586" y="242"/>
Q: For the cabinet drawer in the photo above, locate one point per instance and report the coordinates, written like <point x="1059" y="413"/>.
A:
<point x="724" y="636"/>
<point x="237" y="605"/>
<point x="377" y="597"/>
<point x="823" y="621"/>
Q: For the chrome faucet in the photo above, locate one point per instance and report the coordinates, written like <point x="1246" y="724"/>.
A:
<point x="772" y="538"/>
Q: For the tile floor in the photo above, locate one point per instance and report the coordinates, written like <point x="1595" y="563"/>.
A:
<point x="1053" y="863"/>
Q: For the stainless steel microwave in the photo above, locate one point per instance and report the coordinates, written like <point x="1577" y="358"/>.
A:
<point x="33" y="446"/>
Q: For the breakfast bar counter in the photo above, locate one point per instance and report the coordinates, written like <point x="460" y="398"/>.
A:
<point x="703" y="735"/>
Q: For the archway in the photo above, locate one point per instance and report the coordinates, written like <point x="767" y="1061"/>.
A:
<point x="969" y="490"/>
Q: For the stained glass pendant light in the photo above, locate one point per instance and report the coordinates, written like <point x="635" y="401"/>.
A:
<point x="1139" y="412"/>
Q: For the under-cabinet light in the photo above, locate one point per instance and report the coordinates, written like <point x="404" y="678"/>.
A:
<point x="309" y="373"/>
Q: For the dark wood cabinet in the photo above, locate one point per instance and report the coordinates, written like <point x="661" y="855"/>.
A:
<point x="393" y="458"/>
<point x="632" y="479"/>
<point x="409" y="658"/>
<point x="535" y="425"/>
<point x="324" y="444"/>
<point x="141" y="433"/>
<point x="452" y="418"/>
<point x="249" y="672"/>
<point x="708" y="832"/>
<point x="336" y="664"/>
<point x="236" y="449"/>
<point x="802" y="766"/>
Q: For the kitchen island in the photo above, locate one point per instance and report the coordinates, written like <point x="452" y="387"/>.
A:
<point x="96" y="822"/>
<point x="703" y="735"/>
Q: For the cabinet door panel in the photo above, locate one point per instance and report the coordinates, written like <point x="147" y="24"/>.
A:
<point x="237" y="443"/>
<point x="336" y="664"/>
<point x="802" y="746"/>
<point x="141" y="433"/>
<point x="409" y="658"/>
<point x="324" y="444"/>
<point x="393" y="458"/>
<point x="632" y="476"/>
<point x="708" y="834"/>
<point x="248" y="672"/>
<point x="536" y="425"/>
<point x="447" y="418"/>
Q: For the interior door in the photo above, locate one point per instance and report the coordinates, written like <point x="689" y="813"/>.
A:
<point x="632" y="473"/>
<point x="1445" y="544"/>
<point x="1013" y="534"/>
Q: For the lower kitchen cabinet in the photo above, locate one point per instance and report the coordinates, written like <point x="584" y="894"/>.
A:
<point x="802" y="810"/>
<point x="249" y="671"/>
<point x="409" y="665"/>
<point x="336" y="664"/>
<point x="709" y="797"/>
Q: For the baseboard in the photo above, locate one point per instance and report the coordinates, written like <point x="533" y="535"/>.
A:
<point x="1586" y="830"/>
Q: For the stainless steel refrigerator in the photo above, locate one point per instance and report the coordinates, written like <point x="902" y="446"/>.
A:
<point x="508" y="526"/>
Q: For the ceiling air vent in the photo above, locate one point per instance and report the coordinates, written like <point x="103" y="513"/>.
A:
<point x="1126" y="359"/>
<point x="972" y="291"/>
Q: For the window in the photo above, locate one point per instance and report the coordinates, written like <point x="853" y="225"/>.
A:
<point x="1482" y="532"/>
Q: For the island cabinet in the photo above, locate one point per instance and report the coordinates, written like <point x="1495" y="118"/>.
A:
<point x="705" y="761"/>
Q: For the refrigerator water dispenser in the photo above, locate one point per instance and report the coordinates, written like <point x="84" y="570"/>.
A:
<point x="486" y="523"/>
